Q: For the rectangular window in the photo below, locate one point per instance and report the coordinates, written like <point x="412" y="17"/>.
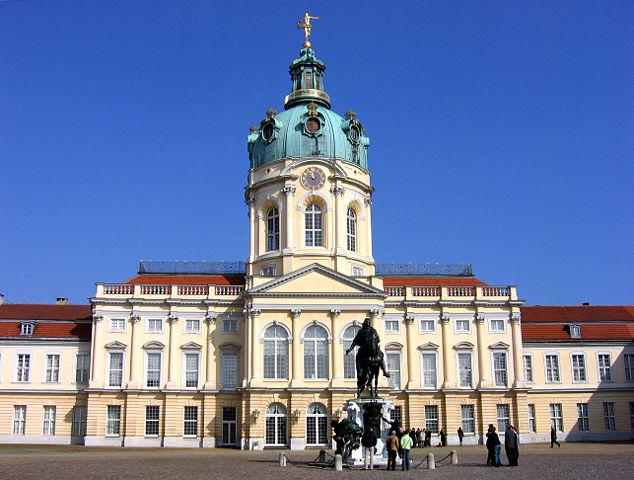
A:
<point x="464" y="370"/>
<point x="528" y="368"/>
<point x="115" y="369"/>
<point x="23" y="370"/>
<point x="578" y="368"/>
<point x="117" y="325"/>
<point x="229" y="372"/>
<point x="52" y="368"/>
<point x="155" y="325"/>
<point x="504" y="418"/>
<point x="191" y="370"/>
<point x="397" y="414"/>
<point x="19" y="419"/>
<point x="556" y="419"/>
<point x="113" y="420"/>
<point x="575" y="331"/>
<point x="79" y="421"/>
<point x="605" y="372"/>
<point x="190" y="421"/>
<point x="268" y="271"/>
<point x="48" y="423"/>
<point x="82" y="368"/>
<point x="532" y="426"/>
<point x="468" y="419"/>
<point x="26" y="328"/>
<point x="608" y="416"/>
<point x="152" y="420"/>
<point x="463" y="326"/>
<point x="393" y="363"/>
<point x="229" y="425"/>
<point x="427" y="326"/>
<point x="497" y="326"/>
<point x="192" y="325"/>
<point x="392" y="325"/>
<point x="153" y="369"/>
<point x="431" y="418"/>
<point x="582" y="417"/>
<point x="429" y="370"/>
<point x="552" y="368"/>
<point x="230" y="325"/>
<point x="628" y="362"/>
<point x="357" y="271"/>
<point x="499" y="369"/>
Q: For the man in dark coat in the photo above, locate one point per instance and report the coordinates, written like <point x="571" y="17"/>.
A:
<point x="368" y="440"/>
<point x="494" y="447"/>
<point x="428" y="438"/>
<point x="460" y="435"/>
<point x="511" y="445"/>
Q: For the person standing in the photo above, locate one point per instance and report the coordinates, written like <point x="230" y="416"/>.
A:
<point x="494" y="447"/>
<point x="391" y="444"/>
<point x="406" y="445"/>
<point x="412" y="434"/>
<point x="420" y="437"/>
<point x="443" y="438"/>
<point x="368" y="440"/>
<point x="553" y="437"/>
<point x="427" y="437"/>
<point x="460" y="435"/>
<point x="511" y="445"/>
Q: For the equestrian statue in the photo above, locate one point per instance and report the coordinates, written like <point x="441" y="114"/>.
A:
<point x="369" y="359"/>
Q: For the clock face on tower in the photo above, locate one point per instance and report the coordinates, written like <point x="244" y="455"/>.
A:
<point x="313" y="178"/>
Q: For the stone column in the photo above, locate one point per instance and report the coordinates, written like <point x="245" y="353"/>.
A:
<point x="210" y="371"/>
<point x="254" y="346"/>
<point x="288" y="245"/>
<point x="296" y="358"/>
<point x="446" y="353"/>
<point x="132" y="381"/>
<point x="253" y="219"/>
<point x="482" y="350"/>
<point x="172" y="320"/>
<point x="368" y="233"/>
<point x="338" y="218"/>
<point x="245" y="347"/>
<point x="96" y="367"/>
<point x="411" y="352"/>
<point x="520" y="381"/>
<point x="336" y="357"/>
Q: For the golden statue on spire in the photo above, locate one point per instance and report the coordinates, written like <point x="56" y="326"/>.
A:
<point x="306" y="26"/>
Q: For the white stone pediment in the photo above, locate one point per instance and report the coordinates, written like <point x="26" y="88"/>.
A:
<point x="428" y="346"/>
<point x="316" y="280"/>
<point x="464" y="346"/>
<point x="499" y="346"/>
<point x="191" y="346"/>
<point x="154" y="345"/>
<point x="116" y="345"/>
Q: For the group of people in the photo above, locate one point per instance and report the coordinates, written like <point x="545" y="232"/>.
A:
<point x="494" y="446"/>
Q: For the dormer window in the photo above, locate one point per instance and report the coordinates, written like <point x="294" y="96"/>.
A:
<point x="575" y="331"/>
<point x="26" y="328"/>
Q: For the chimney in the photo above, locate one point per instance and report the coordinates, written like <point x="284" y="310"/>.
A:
<point x="1" y="299"/>
<point x="62" y="301"/>
<point x="585" y="304"/>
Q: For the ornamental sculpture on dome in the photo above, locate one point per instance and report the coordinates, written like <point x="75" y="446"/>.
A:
<point x="306" y="26"/>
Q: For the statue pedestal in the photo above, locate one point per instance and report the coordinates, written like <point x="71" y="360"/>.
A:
<point x="356" y="408"/>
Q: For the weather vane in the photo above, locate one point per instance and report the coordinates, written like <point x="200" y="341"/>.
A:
<point x="306" y="26"/>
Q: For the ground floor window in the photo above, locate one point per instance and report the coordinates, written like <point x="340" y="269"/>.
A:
<point x="79" y="421"/>
<point x="190" y="421"/>
<point x="632" y="415"/>
<point x="113" y="420"/>
<point x="276" y="425"/>
<point x="468" y="420"/>
<point x="19" y="419"/>
<point x="532" y="427"/>
<point x="152" y="413"/>
<point x="431" y="418"/>
<point x="397" y="414"/>
<point x="503" y="416"/>
<point x="229" y="425"/>
<point x="556" y="418"/>
<point x="582" y="416"/>
<point x="48" y="422"/>
<point x="608" y="415"/>
<point x="316" y="425"/>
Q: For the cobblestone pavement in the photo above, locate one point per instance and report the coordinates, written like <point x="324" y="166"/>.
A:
<point x="571" y="461"/>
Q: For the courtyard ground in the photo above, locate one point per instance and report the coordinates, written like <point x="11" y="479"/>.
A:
<point x="536" y="461"/>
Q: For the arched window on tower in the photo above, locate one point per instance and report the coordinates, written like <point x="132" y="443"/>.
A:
<point x="352" y="230"/>
<point x="313" y="224"/>
<point x="275" y="353"/>
<point x="315" y="353"/>
<point x="273" y="230"/>
<point x="349" y="361"/>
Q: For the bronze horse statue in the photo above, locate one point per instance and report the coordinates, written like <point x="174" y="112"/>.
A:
<point x="368" y="374"/>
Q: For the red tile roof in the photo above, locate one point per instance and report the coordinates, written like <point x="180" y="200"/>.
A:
<point x="52" y="321"/>
<point x="187" y="280"/>
<point x="541" y="323"/>
<point x="431" y="282"/>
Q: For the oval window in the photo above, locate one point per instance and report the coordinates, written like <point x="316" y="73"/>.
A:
<point x="354" y="134"/>
<point x="313" y="125"/>
<point x="267" y="131"/>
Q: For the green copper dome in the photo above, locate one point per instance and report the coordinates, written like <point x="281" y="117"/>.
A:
<point x="308" y="128"/>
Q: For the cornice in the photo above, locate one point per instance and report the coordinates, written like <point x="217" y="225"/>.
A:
<point x="374" y="296"/>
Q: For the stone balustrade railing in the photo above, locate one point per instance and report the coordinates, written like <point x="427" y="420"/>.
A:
<point x="131" y="290"/>
<point x="469" y="292"/>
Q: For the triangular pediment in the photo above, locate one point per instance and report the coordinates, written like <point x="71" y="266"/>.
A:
<point x="314" y="280"/>
<point x="499" y="346"/>
<point x="428" y="346"/>
<point x="116" y="345"/>
<point x="191" y="346"/>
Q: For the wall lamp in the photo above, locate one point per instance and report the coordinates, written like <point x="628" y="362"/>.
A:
<point x="297" y="413"/>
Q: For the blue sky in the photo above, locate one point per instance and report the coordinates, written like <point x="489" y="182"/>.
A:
<point x="501" y="135"/>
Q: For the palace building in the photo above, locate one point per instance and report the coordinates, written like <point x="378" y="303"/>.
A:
<point x="252" y="354"/>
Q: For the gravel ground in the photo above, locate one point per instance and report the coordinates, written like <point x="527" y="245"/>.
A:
<point x="571" y="461"/>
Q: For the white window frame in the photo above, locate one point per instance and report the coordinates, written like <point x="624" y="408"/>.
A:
<point x="18" y="373"/>
<point x="19" y="419"/>
<point x="459" y="321"/>
<point x="467" y="422"/>
<point x="48" y="420"/>
<point x="226" y="352"/>
<point x="422" y="369"/>
<point x="272" y="222"/>
<point x="269" y="270"/>
<point x="85" y="369"/>
<point x="351" y="230"/>
<point x="189" y="421"/>
<point x="109" y="353"/>
<point x="575" y="330"/>
<point x="532" y="422"/>
<point x="316" y="235"/>
<point x="583" y="419"/>
<point x="628" y="367"/>
<point x="601" y="369"/>
<point x="55" y="371"/>
<point x="26" y="328"/>
<point x="149" y="328"/>
<point x="552" y="380"/>
<point x="427" y="321"/>
<point x="317" y="419"/>
<point x="432" y="420"/>
<point x="186" y="371"/>
<point x="557" y="416"/>
<point x="495" y="321"/>
<point x="609" y="417"/>
<point x="315" y="367"/>
<point x="346" y="342"/>
<point x="78" y="428"/>
<point x="188" y="321"/>
<point x="458" y="372"/>
<point x="112" y="328"/>
<point x="155" y="422"/>
<point x="504" y="420"/>
<point x="395" y="324"/>
<point x="574" y="370"/>
<point x="111" y="421"/>
<point x="396" y="374"/>
<point x="493" y="369"/>
<point x="530" y="368"/>
<point x="281" y="362"/>
<point x="357" y="270"/>
<point x="146" y="366"/>
<point x="229" y="425"/>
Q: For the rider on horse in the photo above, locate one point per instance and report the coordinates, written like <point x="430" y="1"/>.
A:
<point x="367" y="339"/>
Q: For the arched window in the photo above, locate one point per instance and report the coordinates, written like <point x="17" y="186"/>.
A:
<point x="276" y="425"/>
<point x="352" y="230"/>
<point x="273" y="230"/>
<point x="349" y="361"/>
<point x="314" y="229"/>
<point x="275" y="352"/>
<point x="315" y="353"/>
<point x="316" y="425"/>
